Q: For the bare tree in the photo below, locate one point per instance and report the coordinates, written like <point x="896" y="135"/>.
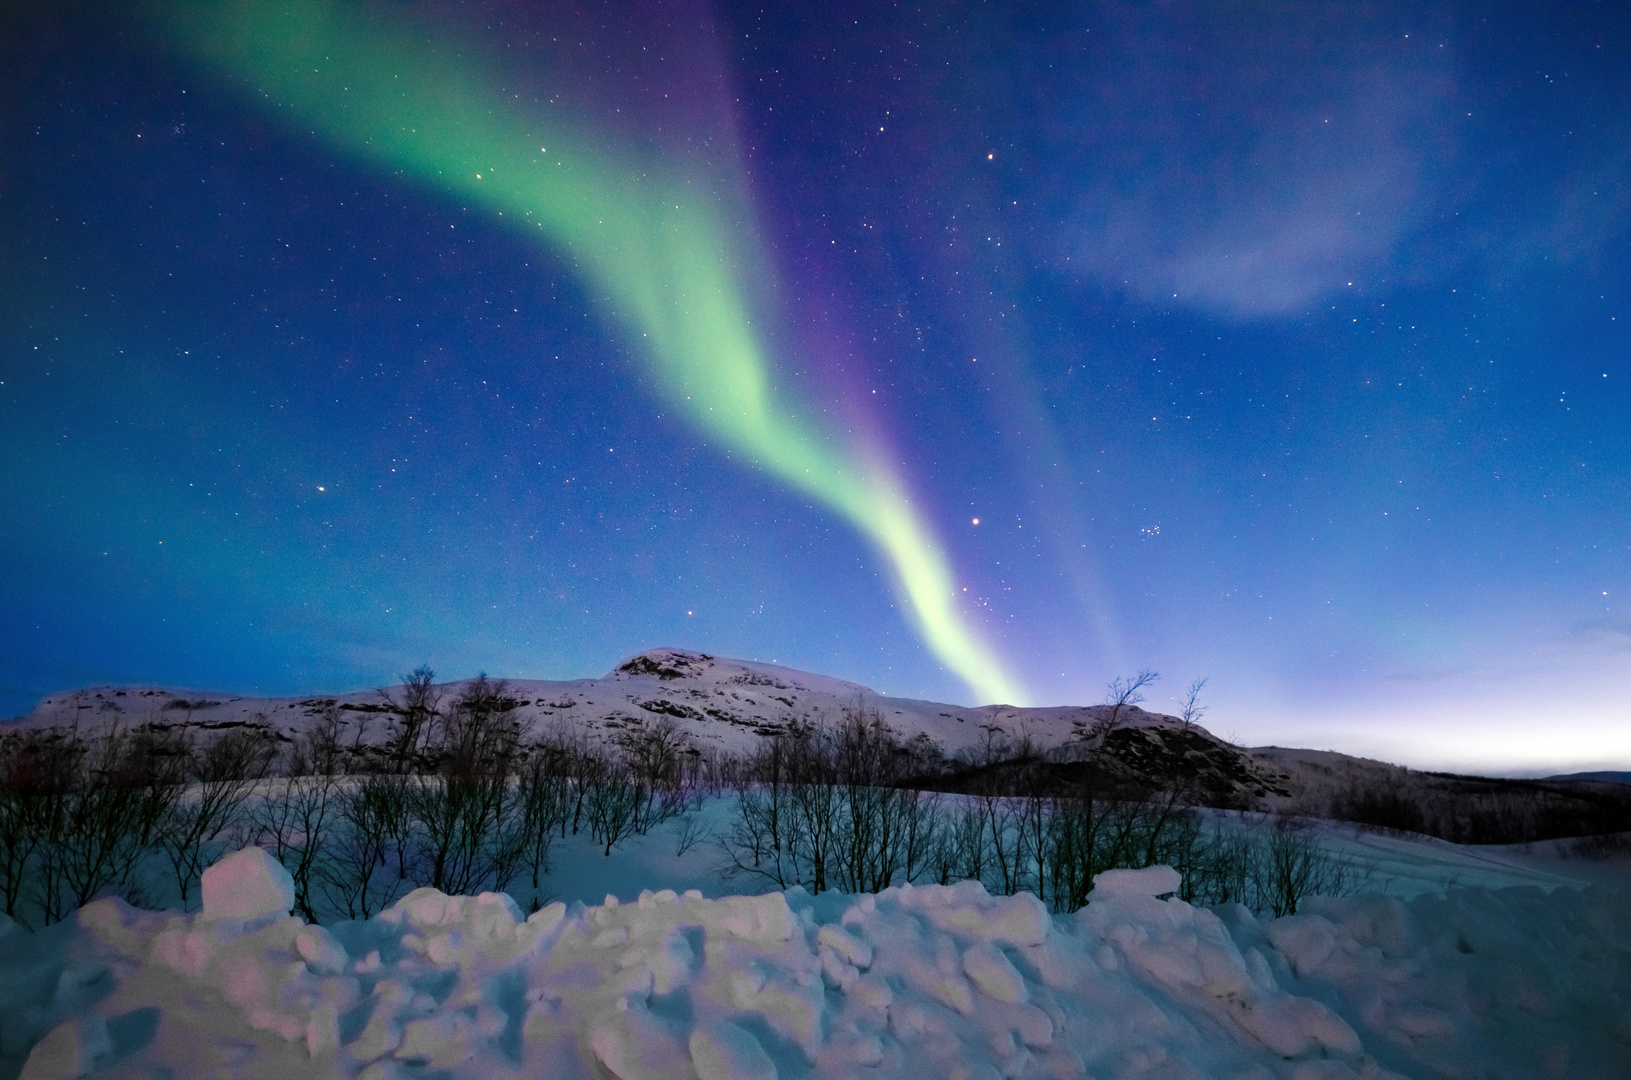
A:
<point x="656" y="751"/>
<point x="993" y="746"/>
<point x="1223" y="870"/>
<point x="292" y="818"/>
<point x="544" y="800"/>
<point x="38" y="770"/>
<point x="962" y="846"/>
<point x="690" y="832"/>
<point x="885" y="829"/>
<point x="317" y="750"/>
<point x="828" y="809"/>
<point x="1005" y="854"/>
<point x="355" y="874"/>
<point x="416" y="710"/>
<point x="654" y="759"/>
<point x="1296" y="866"/>
<point x="225" y="771"/>
<point x="1121" y="695"/>
<point x="107" y="820"/>
<point x="818" y="806"/>
<point x="587" y="767"/>
<point x="762" y="841"/>
<point x="614" y="804"/>
<point x="463" y="810"/>
<point x="1192" y="709"/>
<point x="390" y="813"/>
<point x="920" y="827"/>
<point x="866" y="852"/>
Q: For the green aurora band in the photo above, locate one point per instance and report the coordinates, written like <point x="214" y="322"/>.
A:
<point x="646" y="235"/>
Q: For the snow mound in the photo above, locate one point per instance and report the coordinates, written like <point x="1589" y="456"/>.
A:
<point x="942" y="981"/>
<point x="246" y="885"/>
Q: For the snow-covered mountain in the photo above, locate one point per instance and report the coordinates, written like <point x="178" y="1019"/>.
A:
<point x="721" y="703"/>
<point x="729" y="705"/>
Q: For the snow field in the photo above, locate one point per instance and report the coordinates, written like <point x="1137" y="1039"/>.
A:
<point x="945" y="982"/>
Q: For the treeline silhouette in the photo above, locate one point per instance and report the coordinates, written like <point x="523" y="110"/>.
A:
<point x="1487" y="810"/>
<point x="857" y="808"/>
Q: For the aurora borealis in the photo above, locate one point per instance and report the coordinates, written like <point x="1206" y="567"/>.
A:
<point x="969" y="354"/>
<point x="654" y="243"/>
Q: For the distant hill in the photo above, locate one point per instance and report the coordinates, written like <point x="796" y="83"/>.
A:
<point x="720" y="704"/>
<point x="1450" y="806"/>
<point x="1603" y="777"/>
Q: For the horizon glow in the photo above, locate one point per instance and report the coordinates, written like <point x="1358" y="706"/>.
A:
<point x="651" y="235"/>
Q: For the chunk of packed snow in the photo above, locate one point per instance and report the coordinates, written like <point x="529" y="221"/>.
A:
<point x="1150" y="881"/>
<point x="932" y="981"/>
<point x="991" y="971"/>
<point x="246" y="885"/>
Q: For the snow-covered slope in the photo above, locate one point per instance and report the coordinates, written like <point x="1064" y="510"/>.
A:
<point x="719" y="702"/>
<point x="912" y="982"/>
<point x="1316" y="777"/>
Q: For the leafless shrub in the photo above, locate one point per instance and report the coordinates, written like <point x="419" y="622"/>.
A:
<point x="98" y="826"/>
<point x="1005" y="855"/>
<point x="291" y="819"/>
<point x="1269" y="868"/>
<point x="543" y="801"/>
<point x="1297" y="866"/>
<point x="826" y="809"/>
<point x="763" y="839"/>
<point x="355" y="872"/>
<point x="1085" y="837"/>
<point x="962" y="846"/>
<point x="464" y="813"/>
<point x="655" y="752"/>
<point x="657" y="760"/>
<point x="1224" y="870"/>
<point x="416" y="708"/>
<point x="690" y="832"/>
<point x="38" y="770"/>
<point x="318" y="750"/>
<point x="614" y="804"/>
<point x="586" y="767"/>
<point x="1192" y="709"/>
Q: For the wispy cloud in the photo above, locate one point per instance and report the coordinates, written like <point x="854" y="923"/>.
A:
<point x="1250" y="164"/>
<point x="1606" y="636"/>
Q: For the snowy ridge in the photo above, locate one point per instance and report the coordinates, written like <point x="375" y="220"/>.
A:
<point x="929" y="981"/>
<point x="719" y="702"/>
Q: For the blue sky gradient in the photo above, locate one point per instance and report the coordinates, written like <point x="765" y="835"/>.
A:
<point x="1286" y="349"/>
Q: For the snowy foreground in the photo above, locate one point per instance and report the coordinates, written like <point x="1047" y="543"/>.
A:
<point x="939" y="982"/>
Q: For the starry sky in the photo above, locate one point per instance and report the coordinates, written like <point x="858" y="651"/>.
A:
<point x="972" y="352"/>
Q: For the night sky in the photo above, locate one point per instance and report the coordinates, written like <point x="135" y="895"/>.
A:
<point x="968" y="353"/>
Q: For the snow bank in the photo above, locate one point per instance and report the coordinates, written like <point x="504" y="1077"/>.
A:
<point x="945" y="982"/>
